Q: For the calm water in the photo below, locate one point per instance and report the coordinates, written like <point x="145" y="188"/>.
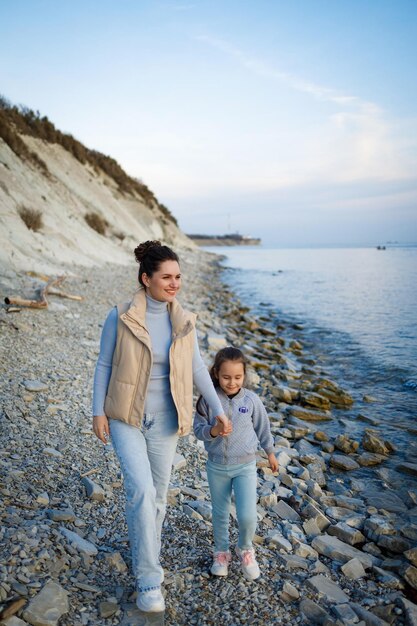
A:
<point x="359" y="309"/>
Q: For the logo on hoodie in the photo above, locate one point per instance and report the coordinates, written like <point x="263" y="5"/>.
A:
<point x="243" y="409"/>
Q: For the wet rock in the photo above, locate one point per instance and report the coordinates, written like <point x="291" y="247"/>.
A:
<point x="309" y="415"/>
<point x="316" y="400"/>
<point x="410" y="575"/>
<point x="368" y="459"/>
<point x="346" y="445"/>
<point x="411" y="555"/>
<point x="410" y="610"/>
<point x="343" y="462"/>
<point x="373" y="443"/>
<point x="46" y="608"/>
<point x="408" y="468"/>
<point x="346" y="614"/>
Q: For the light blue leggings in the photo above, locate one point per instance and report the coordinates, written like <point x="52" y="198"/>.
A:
<point x="242" y="480"/>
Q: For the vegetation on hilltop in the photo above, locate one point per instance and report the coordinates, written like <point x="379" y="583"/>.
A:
<point x="17" y="120"/>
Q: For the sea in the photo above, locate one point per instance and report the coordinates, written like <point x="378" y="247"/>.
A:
<point x="358" y="308"/>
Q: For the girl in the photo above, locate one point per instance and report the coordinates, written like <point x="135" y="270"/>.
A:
<point x="231" y="461"/>
<point x="143" y="387"/>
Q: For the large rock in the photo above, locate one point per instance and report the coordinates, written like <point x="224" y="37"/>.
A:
<point x="93" y="490"/>
<point x="286" y="512"/>
<point x="309" y="415"/>
<point x="82" y="545"/>
<point x="313" y="613"/>
<point x="346" y="533"/>
<point x="47" y="606"/>
<point x="346" y="445"/>
<point x="373" y="443"/>
<point x="316" y="400"/>
<point x="340" y="551"/>
<point x="353" y="569"/>
<point x="327" y="588"/>
<point x="341" y="461"/>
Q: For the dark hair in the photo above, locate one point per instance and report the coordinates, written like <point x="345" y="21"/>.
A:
<point x="225" y="354"/>
<point x="150" y="255"/>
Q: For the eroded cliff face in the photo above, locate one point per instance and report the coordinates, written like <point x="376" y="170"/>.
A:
<point x="64" y="194"/>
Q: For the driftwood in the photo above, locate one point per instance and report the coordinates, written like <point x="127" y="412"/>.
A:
<point x="41" y="302"/>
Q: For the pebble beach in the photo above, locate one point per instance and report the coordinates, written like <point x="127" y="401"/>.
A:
<point x="337" y="532"/>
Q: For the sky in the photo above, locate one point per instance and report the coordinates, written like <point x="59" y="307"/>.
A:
<point x="294" y="121"/>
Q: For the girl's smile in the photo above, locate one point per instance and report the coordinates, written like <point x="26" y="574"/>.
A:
<point x="231" y="376"/>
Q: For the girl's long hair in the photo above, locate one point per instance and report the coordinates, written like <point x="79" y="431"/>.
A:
<point x="225" y="354"/>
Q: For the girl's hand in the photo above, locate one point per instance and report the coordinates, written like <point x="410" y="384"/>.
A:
<point x="273" y="463"/>
<point x="223" y="427"/>
<point x="101" y="428"/>
<point x="226" y="424"/>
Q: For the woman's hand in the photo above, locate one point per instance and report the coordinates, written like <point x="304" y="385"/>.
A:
<point x="273" y="463"/>
<point x="101" y="428"/>
<point x="223" y="426"/>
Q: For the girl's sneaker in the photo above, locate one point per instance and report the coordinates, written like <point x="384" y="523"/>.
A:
<point x="150" y="601"/>
<point x="220" y="563"/>
<point x="248" y="563"/>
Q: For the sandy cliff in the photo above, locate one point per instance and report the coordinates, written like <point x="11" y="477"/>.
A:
<point x="64" y="194"/>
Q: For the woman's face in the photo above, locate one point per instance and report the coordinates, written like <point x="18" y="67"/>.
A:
<point x="165" y="283"/>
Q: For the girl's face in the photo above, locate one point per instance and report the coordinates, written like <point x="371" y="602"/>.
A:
<point x="231" y="376"/>
<point x="165" y="283"/>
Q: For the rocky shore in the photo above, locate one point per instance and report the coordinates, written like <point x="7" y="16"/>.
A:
<point x="337" y="533"/>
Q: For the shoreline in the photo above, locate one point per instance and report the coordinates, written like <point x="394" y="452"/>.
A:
<point x="53" y="447"/>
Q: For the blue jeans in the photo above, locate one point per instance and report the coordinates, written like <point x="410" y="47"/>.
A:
<point x="242" y="480"/>
<point x="146" y="457"/>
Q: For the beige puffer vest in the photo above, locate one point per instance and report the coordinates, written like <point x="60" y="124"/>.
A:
<point x="132" y="364"/>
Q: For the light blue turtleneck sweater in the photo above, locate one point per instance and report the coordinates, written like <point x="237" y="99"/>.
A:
<point x="158" y="398"/>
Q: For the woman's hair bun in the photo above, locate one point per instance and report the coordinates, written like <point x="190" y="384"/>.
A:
<point x="143" y="248"/>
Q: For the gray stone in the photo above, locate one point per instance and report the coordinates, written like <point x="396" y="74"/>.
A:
<point x="311" y="528"/>
<point x="107" y="609"/>
<point x="353" y="569"/>
<point x="318" y="476"/>
<point x="46" y="608"/>
<point x="408" y="468"/>
<point x="35" y="385"/>
<point x="326" y="587"/>
<point x="369" y="618"/>
<point x="115" y="561"/>
<point x="368" y="459"/>
<point x="372" y="443"/>
<point x="52" y="452"/>
<point x="82" y="545"/>
<point x="345" y="613"/>
<point x="411" y="555"/>
<point x="203" y="508"/>
<point x="93" y="490"/>
<point x="61" y="515"/>
<point x="313" y="613"/>
<point x="341" y="461"/>
<point x="345" y="533"/>
<point x="13" y="621"/>
<point x="410" y="610"/>
<point x="312" y="512"/>
<point x="394" y="543"/>
<point x="340" y="551"/>
<point x="305" y="551"/>
<point x="410" y="575"/>
<point x="215" y="341"/>
<point x="277" y="540"/>
<point x="286" y="512"/>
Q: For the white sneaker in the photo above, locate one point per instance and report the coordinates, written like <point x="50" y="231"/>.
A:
<point x="248" y="563"/>
<point x="220" y="563"/>
<point x="150" y="601"/>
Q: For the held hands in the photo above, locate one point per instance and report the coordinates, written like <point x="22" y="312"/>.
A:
<point x="222" y="428"/>
<point x="101" y="428"/>
<point x="273" y="463"/>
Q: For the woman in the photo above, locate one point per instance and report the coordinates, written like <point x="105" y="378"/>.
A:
<point x="143" y="399"/>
